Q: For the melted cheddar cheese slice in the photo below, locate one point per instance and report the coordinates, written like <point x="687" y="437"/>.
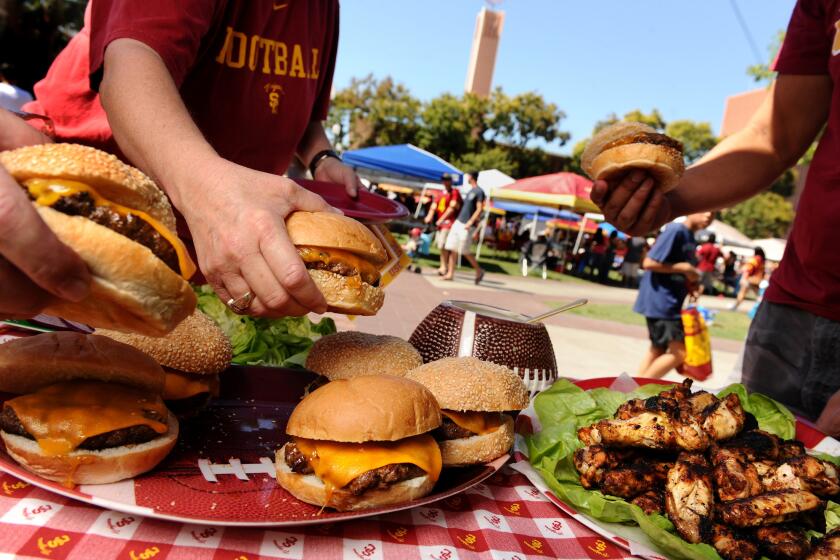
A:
<point x="365" y="269"/>
<point x="337" y="464"/>
<point x="61" y="416"/>
<point x="47" y="192"/>
<point x="477" y="422"/>
<point x="177" y="386"/>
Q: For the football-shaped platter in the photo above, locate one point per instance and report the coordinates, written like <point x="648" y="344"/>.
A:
<point x="222" y="470"/>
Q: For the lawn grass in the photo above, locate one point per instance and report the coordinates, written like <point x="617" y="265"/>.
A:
<point x="727" y="324"/>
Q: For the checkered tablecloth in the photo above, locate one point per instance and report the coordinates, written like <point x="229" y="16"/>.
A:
<point x="504" y="518"/>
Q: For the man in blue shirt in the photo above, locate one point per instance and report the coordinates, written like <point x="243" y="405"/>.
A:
<point x="670" y="275"/>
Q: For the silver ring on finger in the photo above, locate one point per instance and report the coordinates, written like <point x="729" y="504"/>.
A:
<point x="241" y="304"/>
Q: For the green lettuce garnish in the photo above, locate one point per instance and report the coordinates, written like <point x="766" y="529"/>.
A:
<point x="258" y="341"/>
<point x="565" y="407"/>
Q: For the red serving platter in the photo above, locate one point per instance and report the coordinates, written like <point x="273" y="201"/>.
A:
<point x="367" y="206"/>
<point x="233" y="441"/>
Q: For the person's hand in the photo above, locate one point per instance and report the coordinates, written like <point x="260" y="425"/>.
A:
<point x="692" y="275"/>
<point x="16" y="133"/>
<point x="633" y="204"/>
<point x="238" y="226"/>
<point x="35" y="267"/>
<point x="332" y="170"/>
<point x="829" y="420"/>
<point x="428" y="219"/>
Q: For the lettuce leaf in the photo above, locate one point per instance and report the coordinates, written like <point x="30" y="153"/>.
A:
<point x="564" y="408"/>
<point x="258" y="341"/>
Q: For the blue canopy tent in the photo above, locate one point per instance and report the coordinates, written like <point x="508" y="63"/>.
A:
<point x="531" y="210"/>
<point x="401" y="162"/>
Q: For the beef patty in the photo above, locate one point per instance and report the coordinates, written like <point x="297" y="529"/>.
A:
<point x="129" y="225"/>
<point x="450" y="430"/>
<point x="380" y="478"/>
<point x="646" y="138"/>
<point x="10" y="423"/>
<point x="342" y="269"/>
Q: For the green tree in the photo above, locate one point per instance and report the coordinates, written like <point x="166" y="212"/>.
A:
<point x="764" y="215"/>
<point x="697" y="138"/>
<point x="762" y="72"/>
<point x="489" y="158"/>
<point x="371" y="112"/>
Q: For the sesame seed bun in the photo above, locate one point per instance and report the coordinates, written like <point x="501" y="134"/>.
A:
<point x="371" y="408"/>
<point x="132" y="289"/>
<point x="607" y="157"/>
<point x="29" y="364"/>
<point x="462" y="452"/>
<point x="351" y="354"/>
<point x="197" y="345"/>
<point x="471" y="385"/>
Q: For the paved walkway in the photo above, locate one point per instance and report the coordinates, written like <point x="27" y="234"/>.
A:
<point x="584" y="347"/>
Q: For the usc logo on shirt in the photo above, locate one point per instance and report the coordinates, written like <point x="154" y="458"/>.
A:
<point x="835" y="47"/>
<point x="270" y="56"/>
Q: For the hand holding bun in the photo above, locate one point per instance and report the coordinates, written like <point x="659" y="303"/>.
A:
<point x="618" y="148"/>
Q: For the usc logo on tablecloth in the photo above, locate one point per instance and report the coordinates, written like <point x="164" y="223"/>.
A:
<point x="117" y="526"/>
<point x="534" y="544"/>
<point x="468" y="540"/>
<point x="555" y="527"/>
<point x="599" y="548"/>
<point x="431" y="514"/>
<point x="445" y="554"/>
<point x="150" y="552"/>
<point x="367" y="552"/>
<point x="398" y="534"/>
<point x="30" y="514"/>
<point x="286" y="544"/>
<point x="514" y="509"/>
<point x="494" y="520"/>
<point x="203" y="535"/>
<point x="46" y="547"/>
<point x="10" y="489"/>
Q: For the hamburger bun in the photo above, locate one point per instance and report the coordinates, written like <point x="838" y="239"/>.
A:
<point x="354" y="410"/>
<point x="132" y="289"/>
<point x="623" y="146"/>
<point x="104" y="368"/>
<point x="471" y="385"/>
<point x="330" y="231"/>
<point x="350" y="354"/>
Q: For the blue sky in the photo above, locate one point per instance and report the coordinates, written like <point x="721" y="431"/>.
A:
<point x="589" y="57"/>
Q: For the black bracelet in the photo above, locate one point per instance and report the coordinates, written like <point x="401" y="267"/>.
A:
<point x="319" y="157"/>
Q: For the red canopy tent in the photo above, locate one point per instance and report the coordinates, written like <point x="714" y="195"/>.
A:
<point x="556" y="190"/>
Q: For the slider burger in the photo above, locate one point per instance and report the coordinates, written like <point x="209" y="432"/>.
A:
<point x="361" y="443"/>
<point x="623" y="146"/>
<point x="89" y="410"/>
<point x="121" y="225"/>
<point x="342" y="257"/>
<point x="349" y="354"/>
<point x="192" y="357"/>
<point x="473" y="396"/>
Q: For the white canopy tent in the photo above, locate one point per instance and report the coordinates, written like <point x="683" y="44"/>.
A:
<point x="774" y="248"/>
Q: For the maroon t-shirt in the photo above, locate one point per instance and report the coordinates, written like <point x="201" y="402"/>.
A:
<point x="253" y="74"/>
<point x="809" y="274"/>
<point x="708" y="254"/>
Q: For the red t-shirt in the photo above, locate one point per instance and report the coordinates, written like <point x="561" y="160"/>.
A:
<point x="442" y="202"/>
<point x="253" y="75"/>
<point x="809" y="274"/>
<point x="708" y="254"/>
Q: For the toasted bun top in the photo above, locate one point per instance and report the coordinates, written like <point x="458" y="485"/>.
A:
<point x="110" y="177"/>
<point x="470" y="384"/>
<point x="371" y="408"/>
<point x="27" y="364"/>
<point x="351" y="354"/>
<point x="330" y="230"/>
<point x="606" y="135"/>
<point x="197" y="345"/>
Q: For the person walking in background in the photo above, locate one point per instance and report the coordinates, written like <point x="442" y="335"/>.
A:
<point x="461" y="233"/>
<point x="443" y="211"/>
<point x="707" y="255"/>
<point x="730" y="272"/>
<point x="596" y="254"/>
<point x="751" y="276"/>
<point x="636" y="249"/>
<point x="670" y="275"/>
<point x="608" y="258"/>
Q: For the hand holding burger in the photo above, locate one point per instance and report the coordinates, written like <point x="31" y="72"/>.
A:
<point x="633" y="166"/>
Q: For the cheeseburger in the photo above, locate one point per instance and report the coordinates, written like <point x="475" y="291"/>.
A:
<point x="89" y="409"/>
<point x="342" y="257"/>
<point x="616" y="149"/>
<point x="349" y="354"/>
<point x="473" y="396"/>
<point x="361" y="443"/>
<point x="192" y="357"/>
<point x="121" y="225"/>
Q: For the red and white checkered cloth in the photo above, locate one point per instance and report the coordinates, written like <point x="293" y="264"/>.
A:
<point x="504" y="518"/>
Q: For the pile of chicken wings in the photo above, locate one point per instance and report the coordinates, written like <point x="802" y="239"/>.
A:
<point x="720" y="480"/>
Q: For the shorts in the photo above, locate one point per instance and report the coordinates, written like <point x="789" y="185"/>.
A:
<point x="630" y="270"/>
<point x="790" y="355"/>
<point x="459" y="239"/>
<point x="440" y="238"/>
<point x="664" y="331"/>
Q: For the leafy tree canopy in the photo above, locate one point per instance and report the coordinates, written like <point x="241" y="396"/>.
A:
<point x="765" y="215"/>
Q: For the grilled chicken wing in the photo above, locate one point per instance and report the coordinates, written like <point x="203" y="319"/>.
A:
<point x="631" y="481"/>
<point x="725" y="418"/>
<point x="783" y="542"/>
<point x="700" y="401"/>
<point x="804" y="473"/>
<point x="652" y="501"/>
<point x="689" y="497"/>
<point x="651" y="430"/>
<point x="732" y="545"/>
<point x="827" y="548"/>
<point x="734" y="478"/>
<point x="755" y="445"/>
<point x="664" y="402"/>
<point x="790" y="449"/>
<point x="592" y="463"/>
<point x="768" y="508"/>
